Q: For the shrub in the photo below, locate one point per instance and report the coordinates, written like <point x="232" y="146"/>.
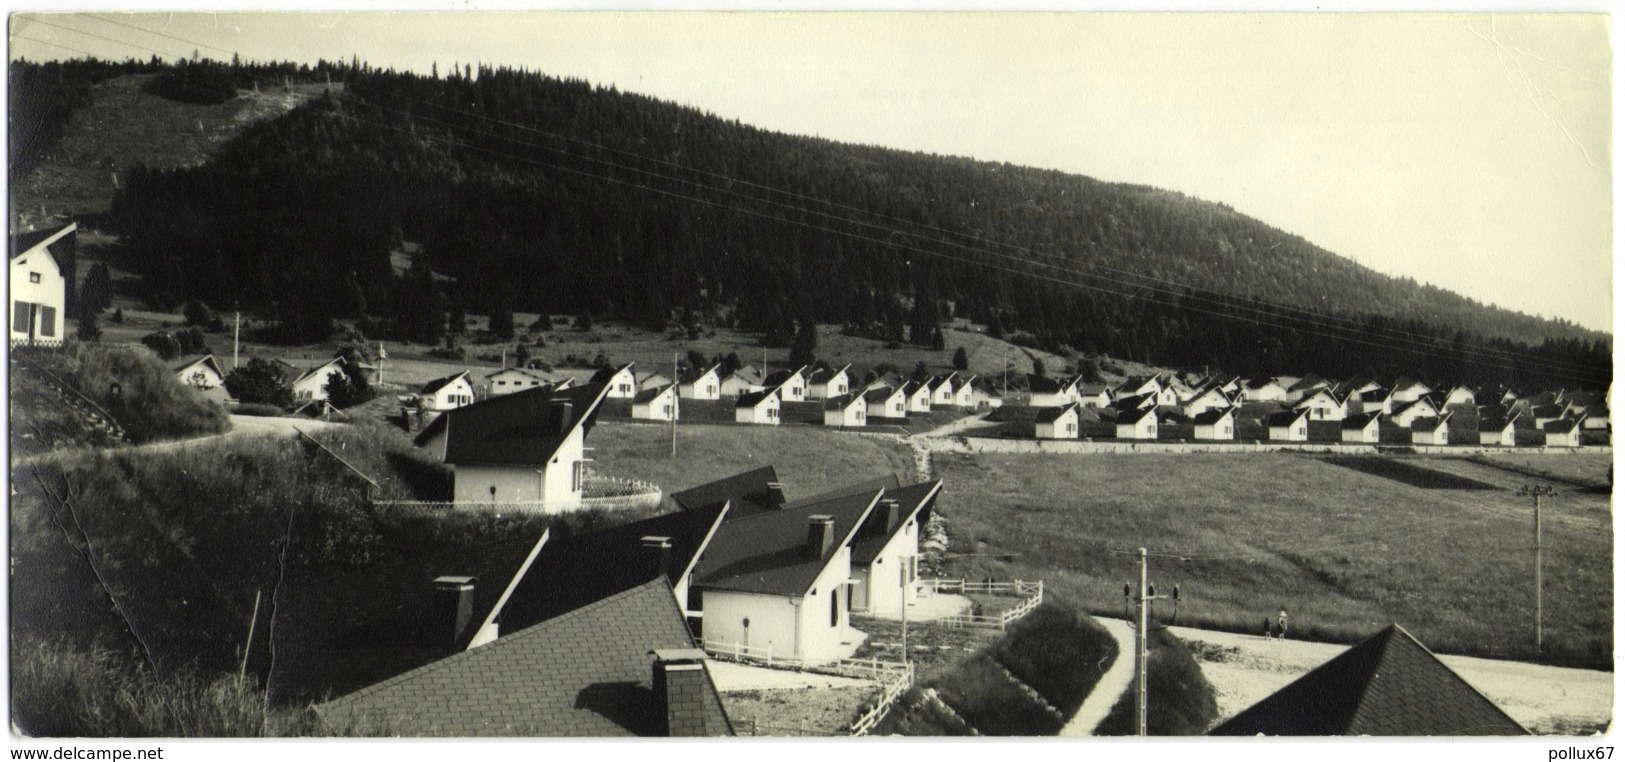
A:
<point x="163" y="343"/>
<point x="152" y="404"/>
<point x="261" y="382"/>
<point x="1059" y="652"/>
<point x="118" y="316"/>
<point x="89" y="327"/>
<point x="1181" y="703"/>
<point x="205" y="83"/>
<point x="349" y="388"/>
<point x="197" y="313"/>
<point x="257" y="409"/>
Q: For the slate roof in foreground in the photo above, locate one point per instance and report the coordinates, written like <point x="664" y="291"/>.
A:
<point x="584" y="673"/>
<point x="1389" y="685"/>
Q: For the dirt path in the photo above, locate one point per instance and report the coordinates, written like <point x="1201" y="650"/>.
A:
<point x="1119" y="676"/>
<point x="1246" y="668"/>
<point x="955" y="427"/>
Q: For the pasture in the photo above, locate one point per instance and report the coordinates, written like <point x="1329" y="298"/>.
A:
<point x="1346" y="552"/>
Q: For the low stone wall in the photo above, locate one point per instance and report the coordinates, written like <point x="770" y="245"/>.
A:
<point x="978" y="444"/>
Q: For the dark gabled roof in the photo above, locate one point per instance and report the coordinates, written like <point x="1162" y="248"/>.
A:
<point x="1310" y="381"/>
<point x="935" y="382"/>
<point x="1562" y="425"/>
<point x="1497" y="422"/>
<point x="1431" y="423"/>
<point x="187" y="362"/>
<point x="441" y="383"/>
<point x="1361" y="420"/>
<point x="1389" y="685"/>
<point x="825" y="375"/>
<point x="1128" y="417"/>
<point x="573" y="571"/>
<point x="880" y="395"/>
<point x="1053" y="414"/>
<point x="866" y="487"/>
<point x="514" y="429"/>
<point x="1044" y="385"/>
<point x="339" y="361"/>
<point x="767" y="553"/>
<point x="1280" y="420"/>
<point x="1403" y="382"/>
<point x="1213" y="416"/>
<point x="913" y="387"/>
<point x="585" y="673"/>
<point x="695" y="374"/>
<point x="1090" y="390"/>
<point x="841" y="401"/>
<point x="753" y="399"/>
<point x="874" y="534"/>
<point x="1134" y="402"/>
<point x="1548" y="411"/>
<point x="750" y="493"/>
<point x="1259" y="383"/>
<point x="647" y="395"/>
<point x="605" y="374"/>
<point x="748" y="373"/>
<point x="782" y="377"/>
<point x="1417" y="403"/>
<point x="527" y="372"/>
<point x="21" y="243"/>
<point x="1377" y="394"/>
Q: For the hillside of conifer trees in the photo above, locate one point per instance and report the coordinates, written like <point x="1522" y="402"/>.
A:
<point x="554" y="195"/>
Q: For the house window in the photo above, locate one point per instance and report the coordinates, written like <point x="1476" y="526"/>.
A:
<point x="578" y="476"/>
<point x="1303" y="431"/>
<point x="19" y="317"/>
<point x="33" y="277"/>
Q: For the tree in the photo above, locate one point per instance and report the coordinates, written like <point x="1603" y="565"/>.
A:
<point x="1038" y="367"/>
<point x="961" y="360"/>
<point x="584" y="321"/>
<point x="163" y="343"/>
<point x="97" y="292"/>
<point x="118" y="316"/>
<point x="197" y="313"/>
<point x="921" y="373"/>
<point x="696" y="360"/>
<point x="260" y="382"/>
<point x="89" y="330"/>
<point x="803" y="351"/>
<point x="349" y="388"/>
<point x="502" y="323"/>
<point x="457" y="323"/>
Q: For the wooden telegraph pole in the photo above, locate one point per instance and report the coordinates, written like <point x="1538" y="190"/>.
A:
<point x="1142" y="627"/>
<point x="1537" y="492"/>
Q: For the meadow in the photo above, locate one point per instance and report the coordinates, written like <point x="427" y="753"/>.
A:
<point x="1344" y="552"/>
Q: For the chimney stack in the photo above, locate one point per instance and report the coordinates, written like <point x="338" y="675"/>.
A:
<point x="893" y="511"/>
<point x="775" y="496"/>
<point x="820" y="536"/>
<point x="660" y="549"/>
<point x="454" y="608"/>
<point x="679" y="681"/>
<point x="562" y="412"/>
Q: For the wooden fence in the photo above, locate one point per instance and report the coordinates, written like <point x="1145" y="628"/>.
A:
<point x="894" y="678"/>
<point x="1032" y="594"/>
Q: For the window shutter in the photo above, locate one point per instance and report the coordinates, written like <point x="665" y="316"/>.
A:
<point x="47" y="321"/>
<point x="19" y="317"/>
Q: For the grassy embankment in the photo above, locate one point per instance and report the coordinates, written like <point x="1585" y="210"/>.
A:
<point x="1344" y="552"/>
<point x="1056" y="651"/>
<point x="1184" y="704"/>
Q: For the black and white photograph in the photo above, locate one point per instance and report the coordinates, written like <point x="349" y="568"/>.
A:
<point x="859" y="374"/>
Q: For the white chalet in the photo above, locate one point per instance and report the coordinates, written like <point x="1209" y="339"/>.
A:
<point x="1263" y="390"/>
<point x="1217" y="424"/>
<point x="1563" y="433"/>
<point x="312" y="384"/>
<point x="620" y="383"/>
<point x="1409" y="412"/>
<point x="918" y="396"/>
<point x="40" y="267"/>
<point x="1324" y="404"/>
<point x="1431" y="431"/>
<point x="1362" y="428"/>
<point x="942" y="390"/>
<point x="886" y="402"/>
<point x="846" y="410"/>
<point x="1137" y="424"/>
<point x="965" y="392"/>
<point x="657" y="403"/>
<point x="758" y="407"/>
<point x="701" y="384"/>
<point x="1290" y="427"/>
<point x="510" y="380"/>
<point x="203" y="374"/>
<point x="790" y="384"/>
<point x="1057" y="422"/>
<point x="1499" y="430"/>
<point x="1410" y="390"/>
<point x="742" y="382"/>
<point x="828" y="384"/>
<point x="448" y="393"/>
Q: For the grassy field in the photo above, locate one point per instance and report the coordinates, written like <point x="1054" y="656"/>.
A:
<point x="1344" y="552"/>
<point x="809" y="459"/>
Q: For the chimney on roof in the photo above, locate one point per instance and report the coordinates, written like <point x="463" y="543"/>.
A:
<point x="679" y="686"/>
<point x="820" y="536"/>
<point x="892" y="509"/>
<point x="453" y="609"/>
<point x="659" y="548"/>
<point x="562" y="411"/>
<point x="775" y="496"/>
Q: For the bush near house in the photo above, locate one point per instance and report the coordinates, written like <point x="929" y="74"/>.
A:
<point x="151" y="404"/>
<point x="260" y="382"/>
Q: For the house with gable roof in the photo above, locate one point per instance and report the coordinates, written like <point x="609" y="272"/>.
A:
<point x="41" y="276"/>
<point x="743" y="381"/>
<point x="1324" y="404"/>
<point x="964" y="391"/>
<point x="448" y="393"/>
<point x="1263" y="390"/>
<point x="1459" y="395"/>
<point x="790" y="384"/>
<point x="1407" y="413"/>
<point x="1095" y="395"/>
<point x="1564" y="432"/>
<point x="1289" y="427"/>
<point x="1498" y="428"/>
<point x="758" y="407"/>
<point x="1363" y="428"/>
<point x="1409" y="390"/>
<point x="918" y="396"/>
<point x="619" y="383"/>
<point x="1051" y="392"/>
<point x="886" y="549"/>
<point x="846" y="410"/>
<point x="885" y="402"/>
<point x="203" y="373"/>
<point x="701" y="384"/>
<point x="829" y="383"/>
<point x="1137" y="424"/>
<point x="1378" y="400"/>
<point x="510" y="380"/>
<point x="1136" y="386"/>
<point x="526" y="447"/>
<point x="942" y="390"/>
<point x="1205" y="399"/>
<point x="1218" y="424"/>
<point x="983" y="396"/>
<point x="1057" y="422"/>
<point x="312" y="384"/>
<point x="1387" y="685"/>
<point x="656" y="403"/>
<point x="1431" y="430"/>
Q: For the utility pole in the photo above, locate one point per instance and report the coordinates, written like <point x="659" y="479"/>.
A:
<point x="1142" y="627"/>
<point x="1537" y="492"/>
<point x="236" y="340"/>
<point x="902" y="576"/>
<point x="674" y="397"/>
<point x="381" y="355"/>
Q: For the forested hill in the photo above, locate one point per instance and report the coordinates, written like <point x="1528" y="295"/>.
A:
<point x="544" y="194"/>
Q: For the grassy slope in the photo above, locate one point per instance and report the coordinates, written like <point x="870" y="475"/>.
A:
<point x="1184" y="703"/>
<point x="1344" y="552"/>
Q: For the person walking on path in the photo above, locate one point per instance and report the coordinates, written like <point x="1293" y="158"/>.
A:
<point x="1280" y="624"/>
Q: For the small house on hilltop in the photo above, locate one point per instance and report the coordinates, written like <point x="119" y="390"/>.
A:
<point x="312" y="384"/>
<point x="701" y="384"/>
<point x="846" y="410"/>
<point x="1323" y="404"/>
<point x="1289" y="427"/>
<point x="203" y="373"/>
<point x="619" y="383"/>
<point x="918" y="396"/>
<point x="510" y="380"/>
<point x="656" y="403"/>
<point x="42" y="271"/>
<point x="1057" y="422"/>
<point x="743" y="381"/>
<point x="448" y="393"/>
<point x="790" y="384"/>
<point x="886" y="402"/>
<point x="1498" y="429"/>
<point x="1388" y="685"/>
<point x="1409" y="412"/>
<point x="758" y="407"/>
<point x="1263" y="390"/>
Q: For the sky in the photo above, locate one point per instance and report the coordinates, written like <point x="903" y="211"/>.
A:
<point x="1472" y="152"/>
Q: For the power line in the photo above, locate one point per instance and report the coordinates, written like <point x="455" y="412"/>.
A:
<point x="38" y="20"/>
<point x="58" y="45"/>
<point x="106" y="20"/>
